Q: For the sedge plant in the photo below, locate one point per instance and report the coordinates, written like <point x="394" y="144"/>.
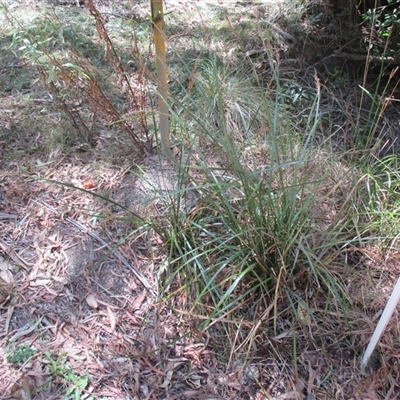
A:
<point x="253" y="234"/>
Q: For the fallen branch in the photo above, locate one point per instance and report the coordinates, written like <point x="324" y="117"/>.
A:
<point x="366" y="57"/>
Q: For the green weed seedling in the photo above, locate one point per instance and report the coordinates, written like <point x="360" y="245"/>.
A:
<point x="18" y="355"/>
<point x="75" y="384"/>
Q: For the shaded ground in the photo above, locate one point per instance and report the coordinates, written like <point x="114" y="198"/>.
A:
<point x="71" y="294"/>
<point x="79" y="285"/>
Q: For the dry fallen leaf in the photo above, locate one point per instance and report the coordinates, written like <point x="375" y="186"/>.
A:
<point x="89" y="185"/>
<point x="91" y="300"/>
<point x="24" y="389"/>
<point x="61" y="279"/>
<point x="113" y="318"/>
<point x="40" y="282"/>
<point x="137" y="302"/>
<point x="303" y="314"/>
<point x="5" y="272"/>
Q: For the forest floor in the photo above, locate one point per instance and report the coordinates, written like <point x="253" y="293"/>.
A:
<point x="80" y="313"/>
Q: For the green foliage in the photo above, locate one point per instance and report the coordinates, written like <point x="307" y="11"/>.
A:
<point x="296" y="95"/>
<point x="18" y="355"/>
<point x="382" y="199"/>
<point x="53" y="33"/>
<point x="227" y="96"/>
<point x="75" y="384"/>
<point x="386" y="22"/>
<point x="256" y="228"/>
<point x="274" y="212"/>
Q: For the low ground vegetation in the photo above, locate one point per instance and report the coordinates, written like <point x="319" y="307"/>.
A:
<point x="256" y="263"/>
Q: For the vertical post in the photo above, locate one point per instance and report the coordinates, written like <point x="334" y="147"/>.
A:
<point x="382" y="324"/>
<point x="157" y="17"/>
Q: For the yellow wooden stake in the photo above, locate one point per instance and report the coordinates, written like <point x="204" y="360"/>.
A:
<point x="157" y="17"/>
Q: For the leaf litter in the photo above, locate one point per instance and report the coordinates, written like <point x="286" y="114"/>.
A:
<point x="68" y="290"/>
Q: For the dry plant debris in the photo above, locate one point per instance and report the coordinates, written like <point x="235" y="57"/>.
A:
<point x="74" y="305"/>
<point x="64" y="292"/>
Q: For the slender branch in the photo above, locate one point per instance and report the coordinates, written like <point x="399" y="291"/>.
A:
<point x="365" y="57"/>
